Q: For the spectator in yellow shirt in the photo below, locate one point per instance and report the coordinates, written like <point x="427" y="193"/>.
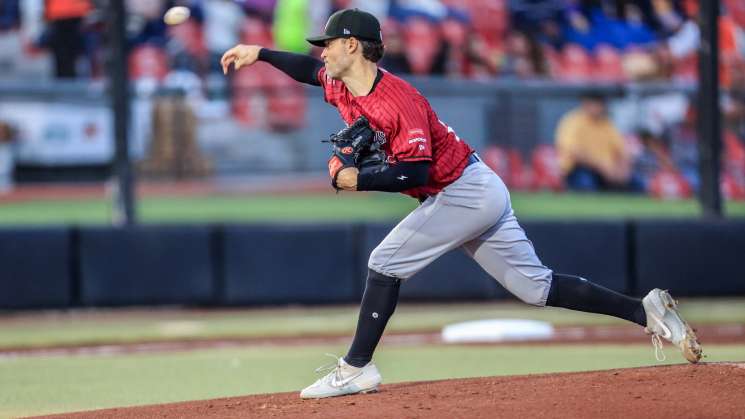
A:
<point x="592" y="153"/>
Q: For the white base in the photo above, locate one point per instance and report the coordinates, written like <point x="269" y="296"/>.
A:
<point x="497" y="330"/>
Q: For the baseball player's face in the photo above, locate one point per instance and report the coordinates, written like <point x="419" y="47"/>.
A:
<point x="336" y="57"/>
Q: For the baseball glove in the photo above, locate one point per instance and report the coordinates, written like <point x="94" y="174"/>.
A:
<point x="351" y="147"/>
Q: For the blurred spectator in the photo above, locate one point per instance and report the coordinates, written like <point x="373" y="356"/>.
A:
<point x="291" y="25"/>
<point x="222" y="26"/>
<point x="7" y="137"/>
<point x="734" y="103"/>
<point x="10" y="15"/>
<point x="402" y="10"/>
<point x="262" y="9"/>
<point x="524" y="57"/>
<point x="378" y="8"/>
<point x="592" y="153"/>
<point x="578" y="29"/>
<point x="65" y="33"/>
<point x="145" y="23"/>
<point x="532" y="15"/>
<point x="394" y="59"/>
<point x="621" y="31"/>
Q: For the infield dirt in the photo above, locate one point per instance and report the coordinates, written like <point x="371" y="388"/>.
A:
<point x="677" y="391"/>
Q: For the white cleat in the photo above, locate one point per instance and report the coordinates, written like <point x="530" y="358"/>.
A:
<point x="343" y="379"/>
<point x="663" y="320"/>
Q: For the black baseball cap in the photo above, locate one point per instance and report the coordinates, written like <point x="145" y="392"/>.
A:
<point x="349" y="22"/>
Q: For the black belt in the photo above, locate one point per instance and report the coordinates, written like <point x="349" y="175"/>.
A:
<point x="473" y="158"/>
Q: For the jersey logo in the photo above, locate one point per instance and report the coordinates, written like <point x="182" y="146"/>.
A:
<point x="380" y="137"/>
<point x="347" y="31"/>
<point x="402" y="178"/>
<point x="347" y="150"/>
<point x="416" y="131"/>
<point x="421" y="147"/>
<point x="417" y="140"/>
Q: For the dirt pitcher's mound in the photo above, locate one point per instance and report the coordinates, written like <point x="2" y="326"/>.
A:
<point x="678" y="391"/>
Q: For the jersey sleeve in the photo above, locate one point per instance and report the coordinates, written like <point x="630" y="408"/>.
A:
<point x="412" y="139"/>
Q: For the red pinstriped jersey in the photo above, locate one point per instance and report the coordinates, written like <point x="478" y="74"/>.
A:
<point x="403" y="118"/>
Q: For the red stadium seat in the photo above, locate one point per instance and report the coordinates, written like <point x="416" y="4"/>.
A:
<point x="490" y="18"/>
<point x="422" y="40"/>
<point x="732" y="188"/>
<point x="686" y="69"/>
<point x="508" y="164"/>
<point x="546" y="171"/>
<point x="521" y="175"/>
<point x="249" y="98"/>
<point x="576" y="64"/>
<point x="734" y="164"/>
<point x="255" y="31"/>
<point x="736" y="9"/>
<point x="455" y="34"/>
<point x="668" y="184"/>
<point x="191" y="37"/>
<point x="553" y="60"/>
<point x="496" y="158"/>
<point x="608" y="65"/>
<point x="147" y="61"/>
<point x="286" y="103"/>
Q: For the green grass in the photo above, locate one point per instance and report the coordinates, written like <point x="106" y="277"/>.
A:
<point x="344" y="207"/>
<point x="131" y="326"/>
<point x="30" y="386"/>
<point x="38" y="385"/>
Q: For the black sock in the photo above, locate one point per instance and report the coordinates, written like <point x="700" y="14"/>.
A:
<point x="579" y="294"/>
<point x="378" y="303"/>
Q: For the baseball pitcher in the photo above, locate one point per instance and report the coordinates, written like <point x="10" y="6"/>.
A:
<point x="395" y="142"/>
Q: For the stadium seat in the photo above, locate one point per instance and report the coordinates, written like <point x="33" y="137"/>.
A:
<point x="546" y="171"/>
<point x="553" y="60"/>
<point x="286" y="103"/>
<point x="249" y="88"/>
<point x="732" y="188"/>
<point x="668" y="184"/>
<point x="255" y="31"/>
<point x="686" y="69"/>
<point x="508" y="164"/>
<point x="608" y="65"/>
<point x="422" y="41"/>
<point x="191" y="38"/>
<point x="736" y="9"/>
<point x="576" y="64"/>
<point x="489" y="18"/>
<point x="496" y="158"/>
<point x="734" y="166"/>
<point x="454" y="32"/>
<point x="148" y="62"/>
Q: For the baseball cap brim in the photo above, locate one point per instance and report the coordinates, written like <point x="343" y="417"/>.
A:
<point x="320" y="40"/>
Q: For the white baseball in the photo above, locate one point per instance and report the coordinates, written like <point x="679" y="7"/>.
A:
<point x="176" y="15"/>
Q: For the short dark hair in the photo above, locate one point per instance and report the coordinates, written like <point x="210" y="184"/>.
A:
<point x="372" y="50"/>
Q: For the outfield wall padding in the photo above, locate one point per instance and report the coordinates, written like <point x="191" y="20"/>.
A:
<point x="281" y="264"/>
<point x="327" y="263"/>
<point x="595" y="250"/>
<point x="146" y="265"/>
<point x="35" y="268"/>
<point x="693" y="258"/>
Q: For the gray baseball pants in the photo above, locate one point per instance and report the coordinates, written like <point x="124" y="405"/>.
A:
<point x="475" y="214"/>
